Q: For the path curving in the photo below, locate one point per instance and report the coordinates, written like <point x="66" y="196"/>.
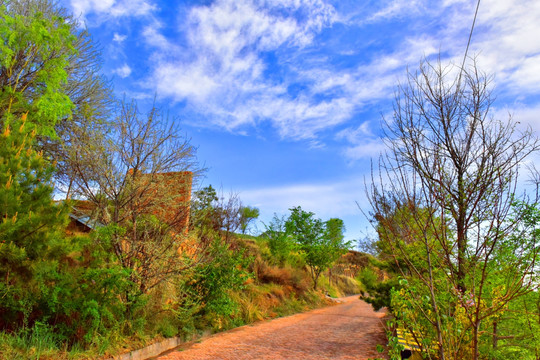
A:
<point x="350" y="330"/>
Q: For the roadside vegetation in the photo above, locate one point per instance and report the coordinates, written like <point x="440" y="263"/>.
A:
<point x="457" y="232"/>
<point x="154" y="263"/>
<point x="455" y="258"/>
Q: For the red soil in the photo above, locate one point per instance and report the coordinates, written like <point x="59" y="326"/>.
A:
<point x="350" y="330"/>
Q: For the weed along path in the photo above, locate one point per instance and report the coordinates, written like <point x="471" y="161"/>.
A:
<point x="350" y="330"/>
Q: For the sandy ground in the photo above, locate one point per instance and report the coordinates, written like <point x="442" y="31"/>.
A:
<point x="350" y="330"/>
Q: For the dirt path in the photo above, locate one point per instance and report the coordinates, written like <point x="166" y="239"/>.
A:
<point x="350" y="330"/>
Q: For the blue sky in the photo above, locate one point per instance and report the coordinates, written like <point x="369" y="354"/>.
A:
<point x="284" y="98"/>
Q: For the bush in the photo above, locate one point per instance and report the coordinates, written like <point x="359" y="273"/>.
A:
<point x="273" y="274"/>
<point x="208" y="287"/>
<point x="377" y="292"/>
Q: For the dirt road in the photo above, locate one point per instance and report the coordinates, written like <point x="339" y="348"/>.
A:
<point x="350" y="330"/>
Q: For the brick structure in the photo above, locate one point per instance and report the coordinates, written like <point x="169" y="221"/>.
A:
<point x="166" y="195"/>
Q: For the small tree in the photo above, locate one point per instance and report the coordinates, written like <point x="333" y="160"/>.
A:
<point x="454" y="169"/>
<point x="30" y="221"/>
<point x="208" y="287"/>
<point x="321" y="243"/>
<point x="247" y="215"/>
<point x="229" y="211"/>
<point x="214" y="213"/>
<point x="281" y="245"/>
<point x="204" y="217"/>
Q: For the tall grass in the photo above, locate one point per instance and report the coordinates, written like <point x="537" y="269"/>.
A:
<point x="38" y="342"/>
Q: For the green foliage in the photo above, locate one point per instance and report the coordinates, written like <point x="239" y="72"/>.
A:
<point x="321" y="243"/>
<point x="210" y="284"/>
<point x="35" y="85"/>
<point x="33" y="343"/>
<point x="203" y="212"/>
<point x="426" y="303"/>
<point x="247" y="215"/>
<point x="30" y="221"/>
<point x="377" y="292"/>
<point x="51" y="287"/>
<point x="96" y="284"/>
<point x="48" y="281"/>
<point x="213" y="214"/>
<point x="137" y="274"/>
<point x="281" y="245"/>
<point x="399" y="249"/>
<point x="517" y="331"/>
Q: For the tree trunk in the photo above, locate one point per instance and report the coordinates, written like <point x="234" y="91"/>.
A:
<point x="475" y="353"/>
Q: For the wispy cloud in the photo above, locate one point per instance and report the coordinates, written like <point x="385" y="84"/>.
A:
<point x="507" y="43"/>
<point x="256" y="61"/>
<point x="363" y="142"/>
<point x="397" y="8"/>
<point x="227" y="75"/>
<point x="243" y="64"/>
<point x="153" y="37"/>
<point x="525" y="116"/>
<point x="111" y="8"/>
<point x="123" y="71"/>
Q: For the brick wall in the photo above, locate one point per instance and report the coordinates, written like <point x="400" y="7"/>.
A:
<point x="168" y="196"/>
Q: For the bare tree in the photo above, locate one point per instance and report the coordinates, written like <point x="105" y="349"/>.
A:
<point x="448" y="185"/>
<point x="229" y="211"/>
<point x="138" y="179"/>
<point x="214" y="213"/>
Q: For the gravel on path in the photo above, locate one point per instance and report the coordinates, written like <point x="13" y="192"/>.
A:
<point x="350" y="330"/>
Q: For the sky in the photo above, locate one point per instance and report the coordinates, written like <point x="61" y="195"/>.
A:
<point x="284" y="98"/>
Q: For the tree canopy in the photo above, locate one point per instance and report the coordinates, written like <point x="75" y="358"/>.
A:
<point x="321" y="242"/>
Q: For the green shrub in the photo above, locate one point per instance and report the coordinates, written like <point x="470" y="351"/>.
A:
<point x="377" y="293"/>
<point x="208" y="288"/>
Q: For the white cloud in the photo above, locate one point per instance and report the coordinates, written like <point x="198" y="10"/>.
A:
<point x="112" y="8"/>
<point x="356" y="135"/>
<point x="222" y="71"/>
<point x="398" y="8"/>
<point x="152" y="36"/>
<point x="508" y="46"/>
<point x="175" y="82"/>
<point x="82" y="7"/>
<point x="368" y="149"/>
<point x="524" y="115"/>
<point x="119" y="38"/>
<point x="362" y="142"/>
<point x="225" y="74"/>
<point x="325" y="200"/>
<point x="123" y="71"/>
<point x="504" y="40"/>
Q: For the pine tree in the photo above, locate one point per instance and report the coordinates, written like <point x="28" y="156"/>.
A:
<point x="30" y="220"/>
